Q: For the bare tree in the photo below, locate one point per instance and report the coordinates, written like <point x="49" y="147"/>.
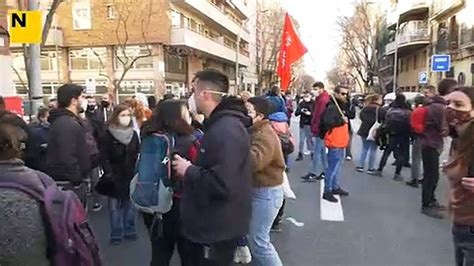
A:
<point x="360" y="44"/>
<point x="124" y="57"/>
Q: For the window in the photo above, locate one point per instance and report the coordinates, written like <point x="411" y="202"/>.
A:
<point x="175" y="64"/>
<point x="401" y="65"/>
<point x="131" y="87"/>
<point x="175" y="19"/>
<point x="415" y="62"/>
<point x="100" y="85"/>
<point x="87" y="58"/>
<point x="130" y="54"/>
<point x="48" y="61"/>
<point x="110" y="11"/>
<point x="18" y="62"/>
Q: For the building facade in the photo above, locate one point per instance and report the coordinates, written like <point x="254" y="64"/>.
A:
<point x="144" y="46"/>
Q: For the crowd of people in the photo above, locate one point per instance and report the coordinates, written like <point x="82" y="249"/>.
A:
<point x="224" y="165"/>
<point x="438" y="114"/>
<point x="207" y="174"/>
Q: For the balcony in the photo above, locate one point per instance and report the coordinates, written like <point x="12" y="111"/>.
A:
<point x="214" y="15"/>
<point x="467" y="38"/>
<point x="240" y="7"/>
<point x="390" y="48"/>
<point x="212" y="47"/>
<point x="412" y="36"/>
<point x="413" y="10"/>
<point x="442" y="8"/>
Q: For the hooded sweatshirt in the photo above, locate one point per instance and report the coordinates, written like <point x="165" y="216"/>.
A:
<point x="436" y="127"/>
<point x="216" y="202"/>
<point x="319" y="106"/>
<point x="67" y="157"/>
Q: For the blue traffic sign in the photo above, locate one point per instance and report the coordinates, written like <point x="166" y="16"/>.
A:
<point x="440" y="63"/>
<point x="423" y="78"/>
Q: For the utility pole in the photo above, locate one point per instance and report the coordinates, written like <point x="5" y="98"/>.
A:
<point x="237" y="51"/>
<point x="34" y="69"/>
<point x="395" y="64"/>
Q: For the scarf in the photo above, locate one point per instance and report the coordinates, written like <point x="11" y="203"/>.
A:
<point x="124" y="136"/>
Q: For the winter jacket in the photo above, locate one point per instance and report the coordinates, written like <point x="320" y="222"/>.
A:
<point x="303" y="106"/>
<point x="39" y="133"/>
<point x="331" y="118"/>
<point x="216" y="203"/>
<point x="119" y="159"/>
<point x="397" y="121"/>
<point x="367" y="117"/>
<point x="266" y="156"/>
<point x="350" y="112"/>
<point x="67" y="158"/>
<point x="96" y="120"/>
<point x="23" y="236"/>
<point x="436" y="127"/>
<point x="319" y="106"/>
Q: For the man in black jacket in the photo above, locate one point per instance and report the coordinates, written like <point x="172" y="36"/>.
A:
<point x="67" y="157"/>
<point x="305" y="110"/>
<point x="217" y="196"/>
<point x="332" y="118"/>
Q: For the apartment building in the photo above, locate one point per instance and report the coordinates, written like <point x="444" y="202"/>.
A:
<point x="143" y="46"/>
<point x="409" y="45"/>
<point x="6" y="85"/>
<point x="453" y="33"/>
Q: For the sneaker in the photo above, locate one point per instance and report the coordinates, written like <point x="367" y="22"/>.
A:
<point x="398" y="177"/>
<point x="407" y="165"/>
<point x="436" y="205"/>
<point x="97" y="207"/>
<point x="432" y="212"/>
<point x="309" y="177"/>
<point x="413" y="183"/>
<point x="300" y="157"/>
<point x="320" y="177"/>
<point x="360" y="169"/>
<point x="420" y="181"/>
<point x="115" y="242"/>
<point x="377" y="173"/>
<point x="307" y="153"/>
<point x="276" y="228"/>
<point x="242" y="255"/>
<point x="371" y="171"/>
<point x="349" y="158"/>
<point x="329" y="197"/>
<point x="340" y="192"/>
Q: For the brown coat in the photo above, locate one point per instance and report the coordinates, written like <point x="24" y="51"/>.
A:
<point x="461" y="200"/>
<point x="266" y="156"/>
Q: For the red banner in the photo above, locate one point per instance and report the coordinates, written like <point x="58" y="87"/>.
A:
<point x="291" y="50"/>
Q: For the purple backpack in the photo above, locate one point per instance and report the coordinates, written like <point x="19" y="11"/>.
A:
<point x="70" y="238"/>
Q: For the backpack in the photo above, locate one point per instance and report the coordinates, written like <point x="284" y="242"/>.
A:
<point x="150" y="189"/>
<point x="417" y="119"/>
<point x="70" y="237"/>
<point x="287" y="145"/>
<point x="398" y="120"/>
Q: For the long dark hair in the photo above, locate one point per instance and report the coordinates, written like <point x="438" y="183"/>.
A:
<point x="167" y="117"/>
<point x="465" y="140"/>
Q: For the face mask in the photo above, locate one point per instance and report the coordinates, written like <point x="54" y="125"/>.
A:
<point x="192" y="104"/>
<point x="125" y="121"/>
<point x="104" y="104"/>
<point x="456" y="118"/>
<point x="307" y="99"/>
<point x="91" y="107"/>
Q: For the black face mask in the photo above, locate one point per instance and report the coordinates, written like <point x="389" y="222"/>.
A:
<point x="91" y="107"/>
<point x="105" y="104"/>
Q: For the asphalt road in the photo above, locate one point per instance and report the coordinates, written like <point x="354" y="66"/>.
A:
<point x="382" y="225"/>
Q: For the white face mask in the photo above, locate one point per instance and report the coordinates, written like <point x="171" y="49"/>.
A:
<point x="83" y="106"/>
<point x="124" y="120"/>
<point x="192" y="104"/>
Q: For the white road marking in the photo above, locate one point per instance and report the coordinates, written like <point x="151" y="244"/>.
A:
<point x="295" y="222"/>
<point x="330" y="211"/>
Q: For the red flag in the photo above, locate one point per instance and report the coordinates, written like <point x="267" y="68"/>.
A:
<point x="291" y="50"/>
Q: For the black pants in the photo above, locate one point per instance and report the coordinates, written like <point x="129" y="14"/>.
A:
<point x="216" y="254"/>
<point x="405" y="153"/>
<point x="463" y="237"/>
<point x="395" y="145"/>
<point x="430" y="158"/>
<point x="280" y="214"/>
<point x="163" y="244"/>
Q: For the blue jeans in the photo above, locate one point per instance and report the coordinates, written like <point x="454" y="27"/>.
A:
<point x="122" y="219"/>
<point x="305" y="136"/>
<point x="335" y="161"/>
<point x="368" y="147"/>
<point x="265" y="206"/>
<point x="320" y="159"/>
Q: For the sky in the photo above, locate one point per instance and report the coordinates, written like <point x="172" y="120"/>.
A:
<point x="319" y="31"/>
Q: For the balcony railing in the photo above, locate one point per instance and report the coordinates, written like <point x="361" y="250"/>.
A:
<point x="413" y="36"/>
<point x="467" y="37"/>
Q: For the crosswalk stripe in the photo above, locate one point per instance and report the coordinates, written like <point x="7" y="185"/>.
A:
<point x="330" y="211"/>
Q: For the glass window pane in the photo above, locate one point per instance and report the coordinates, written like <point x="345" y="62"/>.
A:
<point x="47" y="89"/>
<point x="146" y="62"/>
<point x="44" y="62"/>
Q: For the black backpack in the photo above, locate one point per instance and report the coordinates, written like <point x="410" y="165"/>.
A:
<point x="397" y="120"/>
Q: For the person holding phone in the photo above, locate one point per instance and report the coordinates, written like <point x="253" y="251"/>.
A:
<point x="460" y="172"/>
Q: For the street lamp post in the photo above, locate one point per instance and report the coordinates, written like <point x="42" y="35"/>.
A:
<point x="395" y="64"/>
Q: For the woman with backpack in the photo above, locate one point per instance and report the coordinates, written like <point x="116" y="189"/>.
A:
<point x="397" y="122"/>
<point x="460" y="172"/>
<point x="170" y="118"/>
<point x="369" y="116"/>
<point x="119" y="154"/>
<point x="268" y="167"/>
